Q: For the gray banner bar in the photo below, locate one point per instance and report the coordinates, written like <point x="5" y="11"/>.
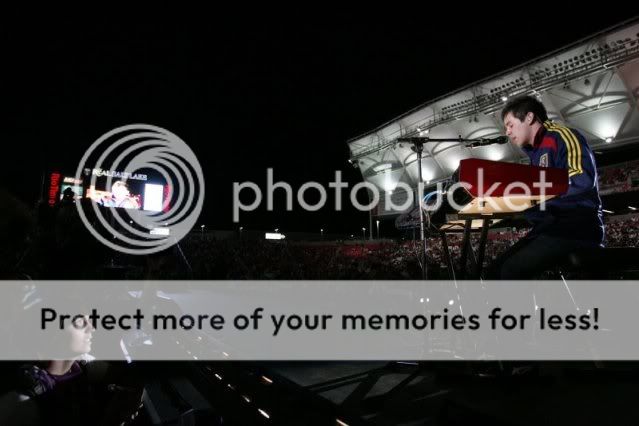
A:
<point x="320" y="320"/>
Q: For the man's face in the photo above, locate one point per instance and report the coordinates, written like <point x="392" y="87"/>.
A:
<point x="120" y="191"/>
<point x="81" y="334"/>
<point x="519" y="132"/>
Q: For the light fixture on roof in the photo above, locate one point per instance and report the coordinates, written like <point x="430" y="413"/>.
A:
<point x="504" y="98"/>
<point x="608" y="139"/>
<point x="608" y="211"/>
<point x="632" y="208"/>
<point x="383" y="167"/>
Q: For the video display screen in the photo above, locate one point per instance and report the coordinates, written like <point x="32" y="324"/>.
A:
<point x="71" y="191"/>
<point x="127" y="194"/>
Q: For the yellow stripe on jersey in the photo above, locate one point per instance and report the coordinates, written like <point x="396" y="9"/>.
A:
<point x="572" y="147"/>
<point x="576" y="151"/>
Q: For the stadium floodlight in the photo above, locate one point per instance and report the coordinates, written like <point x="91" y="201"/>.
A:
<point x="274" y="236"/>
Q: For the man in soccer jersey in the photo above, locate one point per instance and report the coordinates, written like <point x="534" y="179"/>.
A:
<point x="569" y="222"/>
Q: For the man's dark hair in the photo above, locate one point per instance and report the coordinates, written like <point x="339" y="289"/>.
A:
<point x="522" y="105"/>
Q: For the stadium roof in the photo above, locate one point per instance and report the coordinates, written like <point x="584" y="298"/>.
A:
<point x="591" y="85"/>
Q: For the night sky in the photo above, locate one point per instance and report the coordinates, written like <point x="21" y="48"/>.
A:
<point x="247" y="92"/>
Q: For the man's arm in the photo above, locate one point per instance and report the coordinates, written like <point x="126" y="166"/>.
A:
<point x="571" y="154"/>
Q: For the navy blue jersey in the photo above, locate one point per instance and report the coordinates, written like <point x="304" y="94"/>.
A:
<point x="578" y="213"/>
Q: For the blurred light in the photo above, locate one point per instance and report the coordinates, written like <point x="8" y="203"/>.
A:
<point x="125" y="352"/>
<point x="451" y="302"/>
<point x="632" y="208"/>
<point x="608" y="139"/>
<point x="160" y="231"/>
<point x="264" y="413"/>
<point x="267" y="380"/>
<point x="608" y="211"/>
<point x="246" y="398"/>
<point x="340" y="423"/>
<point x="495" y="154"/>
<point x="272" y="236"/>
<point x="504" y="98"/>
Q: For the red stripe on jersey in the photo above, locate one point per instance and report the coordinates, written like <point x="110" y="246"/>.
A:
<point x="549" y="142"/>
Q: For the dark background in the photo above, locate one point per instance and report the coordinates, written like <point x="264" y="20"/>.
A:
<point x="249" y="91"/>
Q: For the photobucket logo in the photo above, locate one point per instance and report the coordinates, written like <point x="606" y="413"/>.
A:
<point x="498" y="197"/>
<point x="119" y="155"/>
